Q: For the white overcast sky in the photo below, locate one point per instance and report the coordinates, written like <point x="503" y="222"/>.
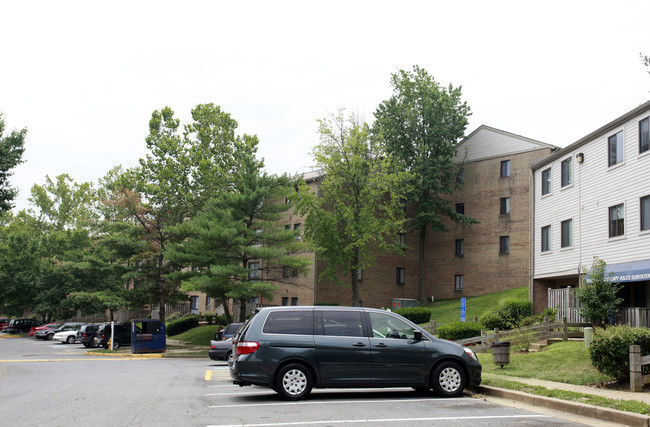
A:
<point x="84" y="77"/>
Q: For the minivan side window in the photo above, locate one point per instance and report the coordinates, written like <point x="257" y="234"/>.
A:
<point x="340" y="323"/>
<point x="298" y="322"/>
<point x="387" y="326"/>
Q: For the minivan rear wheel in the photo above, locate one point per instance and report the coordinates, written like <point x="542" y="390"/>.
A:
<point x="293" y="382"/>
<point x="448" y="379"/>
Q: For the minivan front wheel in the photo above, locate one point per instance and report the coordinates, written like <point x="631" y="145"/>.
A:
<point x="448" y="379"/>
<point x="293" y="382"/>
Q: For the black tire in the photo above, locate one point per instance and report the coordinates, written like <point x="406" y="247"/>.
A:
<point x="116" y="344"/>
<point x="448" y="379"/>
<point x="293" y="382"/>
<point x="227" y="356"/>
<point x="50" y="337"/>
<point x="86" y="345"/>
<point x="71" y="339"/>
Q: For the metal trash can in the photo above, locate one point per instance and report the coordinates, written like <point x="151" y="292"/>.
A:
<point x="148" y="336"/>
<point x="501" y="353"/>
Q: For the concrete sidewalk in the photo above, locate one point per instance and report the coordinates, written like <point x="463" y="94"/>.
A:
<point x="577" y="408"/>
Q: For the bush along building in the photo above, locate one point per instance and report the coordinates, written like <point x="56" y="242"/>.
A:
<point x="592" y="199"/>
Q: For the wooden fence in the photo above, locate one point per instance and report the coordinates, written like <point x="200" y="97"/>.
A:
<point x="543" y="331"/>
<point x="637" y="379"/>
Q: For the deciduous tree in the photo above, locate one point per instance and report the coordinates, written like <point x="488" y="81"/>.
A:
<point x="359" y="207"/>
<point x="421" y="124"/>
<point x="12" y="148"/>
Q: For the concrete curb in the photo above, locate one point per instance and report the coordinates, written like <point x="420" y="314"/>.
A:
<point x="605" y="414"/>
<point x="147" y="356"/>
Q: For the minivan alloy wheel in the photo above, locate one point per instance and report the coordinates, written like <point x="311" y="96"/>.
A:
<point x="294" y="382"/>
<point x="448" y="379"/>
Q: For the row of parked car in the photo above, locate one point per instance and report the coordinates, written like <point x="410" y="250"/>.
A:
<point x="90" y="335"/>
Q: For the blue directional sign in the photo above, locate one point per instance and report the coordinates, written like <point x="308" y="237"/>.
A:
<point x="462" y="309"/>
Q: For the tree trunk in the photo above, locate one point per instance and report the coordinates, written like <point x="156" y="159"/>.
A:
<point x="354" y="280"/>
<point x="423" y="235"/>
<point x="242" y="310"/>
<point x="226" y="309"/>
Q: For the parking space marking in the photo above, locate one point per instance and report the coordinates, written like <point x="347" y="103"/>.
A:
<point x="329" y="402"/>
<point x="71" y="360"/>
<point x="217" y="374"/>
<point x="380" y="420"/>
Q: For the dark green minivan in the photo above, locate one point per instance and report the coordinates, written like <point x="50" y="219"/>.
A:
<point x="293" y="349"/>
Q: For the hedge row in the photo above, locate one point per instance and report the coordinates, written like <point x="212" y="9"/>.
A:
<point x="415" y="314"/>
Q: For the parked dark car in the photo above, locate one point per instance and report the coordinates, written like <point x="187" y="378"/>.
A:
<point x="21" y="326"/>
<point x="220" y="350"/>
<point x="86" y="335"/>
<point x="48" y="334"/>
<point x="229" y="332"/>
<point x="293" y="349"/>
<point x="122" y="335"/>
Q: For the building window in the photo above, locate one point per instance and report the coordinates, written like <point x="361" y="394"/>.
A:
<point x="645" y="213"/>
<point x="617" y="220"/>
<point x="208" y="303"/>
<point x="460" y="176"/>
<point x="567" y="233"/>
<point x="194" y="304"/>
<point x="567" y="172"/>
<point x="400" y="275"/>
<point x="296" y="227"/>
<point x="615" y="149"/>
<point x="254" y="271"/>
<point x="401" y="240"/>
<point x="285" y="300"/>
<point x="505" y="205"/>
<point x="504" y="244"/>
<point x="644" y="135"/>
<point x="546" y="238"/>
<point x="505" y="168"/>
<point x="294" y="300"/>
<point x="546" y="181"/>
<point x="458" y="283"/>
<point x="295" y="272"/>
<point x="460" y="208"/>
<point x="460" y="247"/>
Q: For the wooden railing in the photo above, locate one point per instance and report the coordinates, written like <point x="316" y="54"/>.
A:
<point x="637" y="379"/>
<point x="542" y="331"/>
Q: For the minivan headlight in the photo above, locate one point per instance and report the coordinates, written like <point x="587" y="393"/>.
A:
<point x="471" y="353"/>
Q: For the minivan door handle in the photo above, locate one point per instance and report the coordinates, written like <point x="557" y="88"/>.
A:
<point x="381" y="345"/>
<point x="359" y="344"/>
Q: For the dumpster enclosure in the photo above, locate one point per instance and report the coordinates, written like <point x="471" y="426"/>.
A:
<point x="148" y="336"/>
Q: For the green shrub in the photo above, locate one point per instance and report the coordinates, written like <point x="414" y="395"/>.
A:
<point x="179" y="326"/>
<point x="459" y="330"/>
<point x="492" y="319"/>
<point x="609" y="349"/>
<point x="209" y="318"/>
<point x="221" y="320"/>
<point x="415" y="314"/>
<point x="539" y="318"/>
<point x="508" y="315"/>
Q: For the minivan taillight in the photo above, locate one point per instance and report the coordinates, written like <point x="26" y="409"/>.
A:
<point x="247" y="347"/>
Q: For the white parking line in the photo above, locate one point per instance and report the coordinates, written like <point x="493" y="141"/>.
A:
<point x="330" y="402"/>
<point x="389" y="420"/>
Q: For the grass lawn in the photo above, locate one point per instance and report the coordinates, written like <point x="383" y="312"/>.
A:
<point x="565" y="362"/>
<point x="447" y="311"/>
<point x="200" y="335"/>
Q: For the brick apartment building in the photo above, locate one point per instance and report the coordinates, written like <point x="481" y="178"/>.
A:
<point x="465" y="261"/>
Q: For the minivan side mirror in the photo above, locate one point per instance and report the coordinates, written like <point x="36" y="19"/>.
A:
<point x="417" y="335"/>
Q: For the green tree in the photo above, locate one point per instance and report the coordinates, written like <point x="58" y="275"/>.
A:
<point x="421" y="124"/>
<point x="181" y="172"/>
<point x="359" y="207"/>
<point x="12" y="148"/>
<point x="646" y="61"/>
<point x="597" y="294"/>
<point x="236" y="245"/>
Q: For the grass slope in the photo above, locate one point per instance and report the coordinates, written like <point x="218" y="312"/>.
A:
<point x="200" y="335"/>
<point x="564" y="362"/>
<point x="447" y="311"/>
